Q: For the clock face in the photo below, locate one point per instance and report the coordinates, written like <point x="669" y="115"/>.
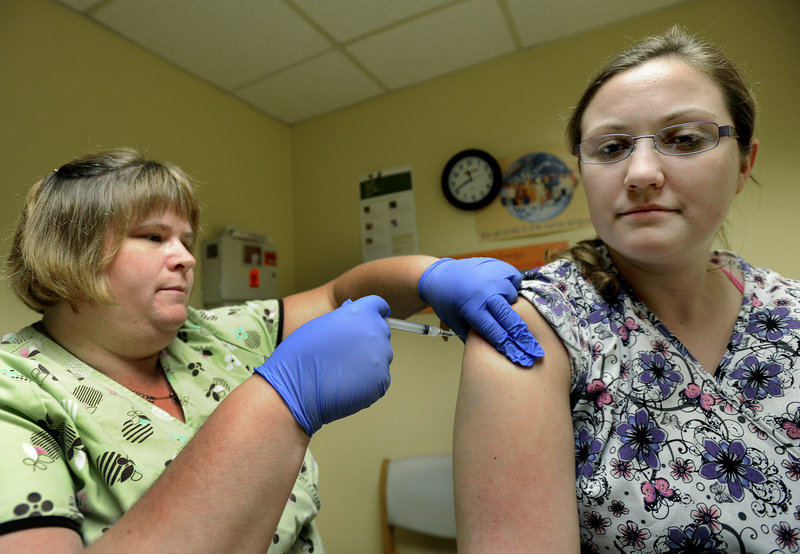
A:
<point x="471" y="179"/>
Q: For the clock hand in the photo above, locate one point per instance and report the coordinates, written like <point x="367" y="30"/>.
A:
<point x="465" y="183"/>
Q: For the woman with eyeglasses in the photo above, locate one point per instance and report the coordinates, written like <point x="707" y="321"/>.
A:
<point x="668" y="397"/>
<point x="132" y="422"/>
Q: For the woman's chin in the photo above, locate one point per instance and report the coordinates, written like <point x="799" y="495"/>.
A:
<point x="171" y="320"/>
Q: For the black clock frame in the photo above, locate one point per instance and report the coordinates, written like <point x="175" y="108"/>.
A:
<point x="497" y="182"/>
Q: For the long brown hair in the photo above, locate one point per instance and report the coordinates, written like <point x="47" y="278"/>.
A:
<point x="677" y="44"/>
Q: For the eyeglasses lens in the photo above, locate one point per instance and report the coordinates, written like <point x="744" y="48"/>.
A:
<point x="688" y="138"/>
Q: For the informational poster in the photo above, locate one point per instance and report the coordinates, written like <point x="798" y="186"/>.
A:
<point x="540" y="195"/>
<point x="388" y="217"/>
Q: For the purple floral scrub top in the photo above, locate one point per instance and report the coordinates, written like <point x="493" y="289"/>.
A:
<point x="667" y="457"/>
<point x="78" y="449"/>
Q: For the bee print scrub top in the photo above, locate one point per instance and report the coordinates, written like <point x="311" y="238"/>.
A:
<point x="79" y="449"/>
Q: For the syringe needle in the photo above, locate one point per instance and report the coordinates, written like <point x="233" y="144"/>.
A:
<point x="418" y="328"/>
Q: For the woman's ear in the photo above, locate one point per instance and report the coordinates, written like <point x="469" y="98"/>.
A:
<point x="748" y="161"/>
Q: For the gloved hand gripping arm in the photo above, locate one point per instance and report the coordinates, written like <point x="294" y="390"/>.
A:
<point x="334" y="365"/>
<point x="478" y="293"/>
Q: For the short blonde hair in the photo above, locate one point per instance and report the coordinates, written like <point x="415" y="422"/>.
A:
<point x="75" y="218"/>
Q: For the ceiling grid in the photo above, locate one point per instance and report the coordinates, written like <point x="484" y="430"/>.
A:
<point x="299" y="59"/>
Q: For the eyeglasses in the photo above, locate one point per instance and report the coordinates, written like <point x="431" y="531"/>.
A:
<point x="676" y="140"/>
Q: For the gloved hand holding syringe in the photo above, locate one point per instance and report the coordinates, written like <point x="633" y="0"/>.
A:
<point x="419" y="328"/>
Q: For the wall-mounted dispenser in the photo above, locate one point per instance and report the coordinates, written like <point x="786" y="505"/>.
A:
<point x="239" y="265"/>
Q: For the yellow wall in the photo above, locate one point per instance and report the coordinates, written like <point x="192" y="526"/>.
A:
<point x="68" y="87"/>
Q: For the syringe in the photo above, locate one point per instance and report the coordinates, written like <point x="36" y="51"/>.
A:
<point x="419" y="328"/>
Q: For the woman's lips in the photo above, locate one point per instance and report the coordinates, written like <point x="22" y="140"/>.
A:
<point x="646" y="210"/>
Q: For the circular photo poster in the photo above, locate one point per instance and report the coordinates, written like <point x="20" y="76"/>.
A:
<point x="537" y="187"/>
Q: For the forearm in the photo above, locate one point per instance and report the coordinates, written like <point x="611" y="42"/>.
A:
<point x="226" y="491"/>
<point x="393" y="279"/>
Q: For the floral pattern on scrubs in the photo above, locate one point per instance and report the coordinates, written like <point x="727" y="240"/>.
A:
<point x="669" y="458"/>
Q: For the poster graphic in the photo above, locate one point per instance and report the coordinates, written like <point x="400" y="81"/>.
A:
<point x="539" y="196"/>
<point x="388" y="217"/>
<point x="538" y="187"/>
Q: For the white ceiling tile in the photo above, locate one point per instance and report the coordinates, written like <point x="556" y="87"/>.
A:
<point x="228" y="43"/>
<point x="539" y="22"/>
<point x="320" y="85"/>
<point x="462" y="35"/>
<point x="360" y="17"/>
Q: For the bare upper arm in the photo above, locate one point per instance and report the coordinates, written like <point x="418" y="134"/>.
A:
<point x="514" y="448"/>
<point x="55" y="540"/>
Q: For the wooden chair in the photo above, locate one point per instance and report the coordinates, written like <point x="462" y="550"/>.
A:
<point x="417" y="494"/>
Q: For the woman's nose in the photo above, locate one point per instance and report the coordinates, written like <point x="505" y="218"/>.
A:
<point x="644" y="165"/>
<point x="181" y="257"/>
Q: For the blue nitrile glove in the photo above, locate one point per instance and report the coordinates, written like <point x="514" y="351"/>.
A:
<point x="334" y="365"/>
<point x="478" y="293"/>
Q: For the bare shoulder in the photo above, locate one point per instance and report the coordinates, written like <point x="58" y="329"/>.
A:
<point x="555" y="364"/>
<point x="489" y="381"/>
<point x="541" y="329"/>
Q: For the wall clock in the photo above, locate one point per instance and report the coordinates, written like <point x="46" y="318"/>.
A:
<point x="471" y="179"/>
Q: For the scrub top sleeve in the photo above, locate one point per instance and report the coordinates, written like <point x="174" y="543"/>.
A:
<point x="38" y="488"/>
